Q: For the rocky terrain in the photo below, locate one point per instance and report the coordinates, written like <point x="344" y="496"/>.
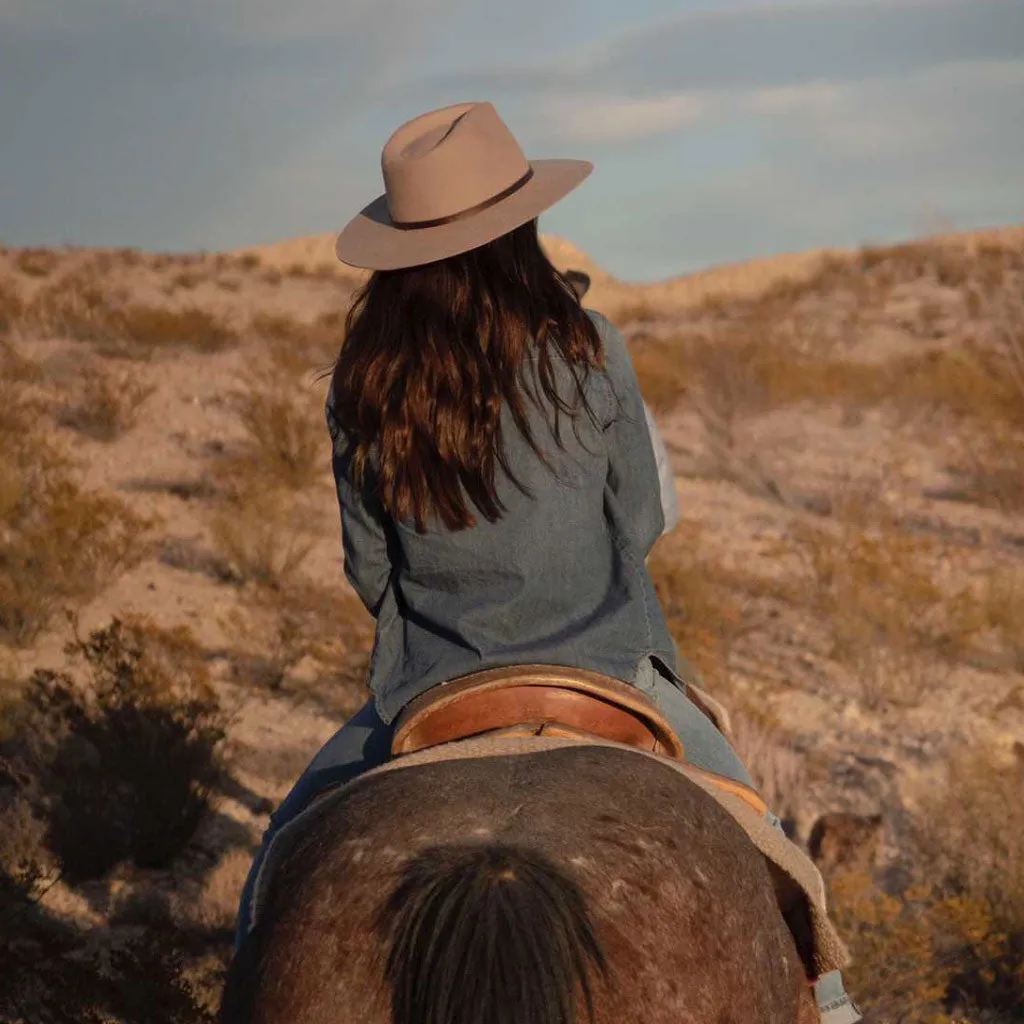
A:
<point x="847" y="433"/>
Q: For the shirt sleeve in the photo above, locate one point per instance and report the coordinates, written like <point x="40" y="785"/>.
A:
<point x="365" y="526"/>
<point x="632" y="469"/>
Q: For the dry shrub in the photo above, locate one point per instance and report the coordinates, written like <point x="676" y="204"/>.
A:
<point x="122" y="760"/>
<point x="773" y="763"/>
<point x="733" y="372"/>
<point x="741" y="370"/>
<point x="970" y="382"/>
<point x="661" y="372"/>
<point x="16" y="368"/>
<point x="140" y="330"/>
<point x="747" y="355"/>
<point x="995" y="469"/>
<point x="998" y="461"/>
<point x="36" y="262"/>
<point x="301" y="345"/>
<point x="105" y="404"/>
<point x="59" y="542"/>
<point x="130" y="257"/>
<point x="875" y="583"/>
<point x="215" y="906"/>
<point x="949" y="944"/>
<point x="989" y="613"/>
<point x="250" y="261"/>
<point x="917" y="953"/>
<point x="286" y="440"/>
<point x="259" y="531"/>
<point x="11" y="307"/>
<point x="972" y="831"/>
<point x="55" y="974"/>
<point x="299" y="625"/>
<point x="80" y="308"/>
<point x="187" y="279"/>
<point x="699" y="606"/>
<point x="77" y="306"/>
<point x="1003" y="604"/>
<point x="229" y="284"/>
<point x="634" y="311"/>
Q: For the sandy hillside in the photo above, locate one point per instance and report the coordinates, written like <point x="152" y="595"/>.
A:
<point x="847" y="431"/>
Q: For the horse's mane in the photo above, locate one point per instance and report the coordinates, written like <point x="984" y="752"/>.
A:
<point x="530" y="889"/>
<point x="460" y="911"/>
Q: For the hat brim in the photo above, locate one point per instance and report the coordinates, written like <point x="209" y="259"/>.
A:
<point x="371" y="242"/>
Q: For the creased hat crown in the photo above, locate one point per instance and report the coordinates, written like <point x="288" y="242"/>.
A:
<point x="450" y="160"/>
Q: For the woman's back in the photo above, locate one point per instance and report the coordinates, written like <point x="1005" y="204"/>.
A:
<point x="557" y="578"/>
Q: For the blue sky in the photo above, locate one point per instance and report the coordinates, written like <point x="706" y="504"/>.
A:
<point x="720" y="129"/>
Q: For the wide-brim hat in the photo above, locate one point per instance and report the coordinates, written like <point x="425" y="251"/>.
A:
<point x="454" y="179"/>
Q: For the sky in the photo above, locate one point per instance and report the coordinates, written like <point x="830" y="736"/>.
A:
<point x="720" y="130"/>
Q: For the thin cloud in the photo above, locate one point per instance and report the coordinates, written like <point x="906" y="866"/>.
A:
<point x="769" y="46"/>
<point x="258" y="22"/>
<point x="610" y="119"/>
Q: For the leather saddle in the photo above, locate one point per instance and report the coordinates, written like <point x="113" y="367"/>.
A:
<point x="535" y="700"/>
<point x="547" y="700"/>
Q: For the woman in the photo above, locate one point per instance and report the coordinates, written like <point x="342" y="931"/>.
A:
<point x="498" y="488"/>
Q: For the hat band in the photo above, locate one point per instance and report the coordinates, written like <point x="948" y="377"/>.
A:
<point x="413" y="225"/>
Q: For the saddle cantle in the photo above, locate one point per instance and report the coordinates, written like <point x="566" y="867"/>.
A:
<point x="535" y="700"/>
<point x="548" y="700"/>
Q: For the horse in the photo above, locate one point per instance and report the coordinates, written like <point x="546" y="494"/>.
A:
<point x="546" y="886"/>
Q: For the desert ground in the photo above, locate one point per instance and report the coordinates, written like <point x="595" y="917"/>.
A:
<point x="177" y="636"/>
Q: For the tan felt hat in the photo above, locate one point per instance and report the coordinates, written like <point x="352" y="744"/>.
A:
<point x="454" y="179"/>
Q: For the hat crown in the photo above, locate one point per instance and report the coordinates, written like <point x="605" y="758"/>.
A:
<point x="448" y="161"/>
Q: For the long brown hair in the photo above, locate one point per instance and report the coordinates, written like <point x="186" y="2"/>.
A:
<point x="431" y="356"/>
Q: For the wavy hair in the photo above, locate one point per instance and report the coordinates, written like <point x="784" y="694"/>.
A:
<point x="432" y="355"/>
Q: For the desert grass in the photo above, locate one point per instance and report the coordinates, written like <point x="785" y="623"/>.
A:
<point x="76" y="307"/>
<point x="947" y="943"/>
<point x="299" y="635"/>
<point x="104" y="404"/>
<point x="786" y="345"/>
<point x="777" y="768"/>
<point x="634" y="311"/>
<point x="186" y="279"/>
<point x="285" y="436"/>
<point x="298" y="345"/>
<point x="81" y="308"/>
<point x="11" y="307"/>
<point x="36" y="262"/>
<point x="704" y="614"/>
<point x="259" y="531"/>
<point x="662" y="373"/>
<point x="879" y="588"/>
<point x="61" y="543"/>
<point x="990" y="614"/>
<point x="140" y="331"/>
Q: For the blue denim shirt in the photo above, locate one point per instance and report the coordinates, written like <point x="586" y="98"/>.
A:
<point x="559" y="579"/>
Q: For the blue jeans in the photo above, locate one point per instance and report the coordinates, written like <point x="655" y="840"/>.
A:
<point x="364" y="742"/>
